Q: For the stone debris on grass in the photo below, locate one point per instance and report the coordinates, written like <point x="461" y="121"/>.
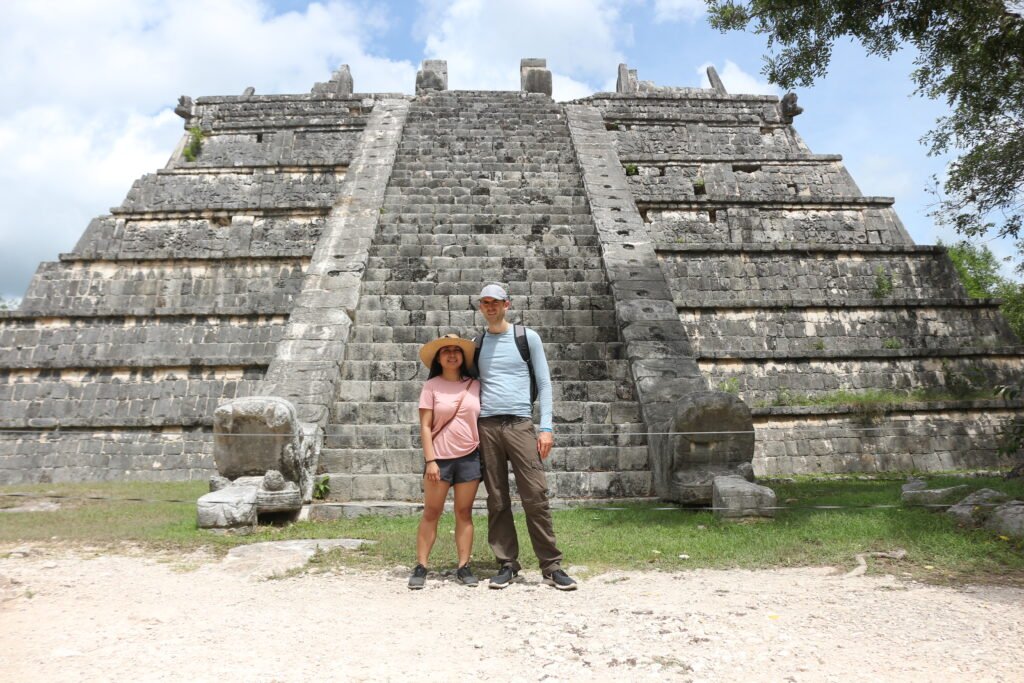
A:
<point x="274" y="558"/>
<point x="1008" y="519"/>
<point x="976" y="508"/>
<point x="938" y="498"/>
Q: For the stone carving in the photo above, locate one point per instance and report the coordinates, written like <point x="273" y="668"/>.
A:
<point x="248" y="92"/>
<point x="712" y="436"/>
<point x="340" y="84"/>
<point x="259" y="444"/>
<point x="184" y="108"/>
<point x="534" y="76"/>
<point x="788" y="108"/>
<point x="626" y="83"/>
<point x="433" y="75"/>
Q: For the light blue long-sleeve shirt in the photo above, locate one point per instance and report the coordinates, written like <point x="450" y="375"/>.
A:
<point x="505" y="377"/>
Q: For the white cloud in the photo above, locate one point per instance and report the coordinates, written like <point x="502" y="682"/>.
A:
<point x="484" y="41"/>
<point x="737" y="81"/>
<point x="89" y="89"/>
<point x="678" y="10"/>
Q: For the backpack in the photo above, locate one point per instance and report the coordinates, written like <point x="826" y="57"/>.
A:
<point x="524" y="351"/>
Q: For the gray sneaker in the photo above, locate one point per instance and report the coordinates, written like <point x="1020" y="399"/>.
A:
<point x="464" y="575"/>
<point x="503" y="578"/>
<point x="560" y="580"/>
<point x="418" y="578"/>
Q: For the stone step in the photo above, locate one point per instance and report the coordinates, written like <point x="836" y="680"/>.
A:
<point x="402" y="416"/>
<point x="567" y="283"/>
<point x="379" y="436"/>
<point x="878" y="275"/>
<point x="576" y="258"/>
<point x="556" y="352"/>
<point x="909" y="436"/>
<point x="575" y="485"/>
<point x="842" y="331"/>
<point x="126" y="342"/>
<point x="593" y="369"/>
<point x="760" y="381"/>
<point x="591" y="458"/>
<point x="418" y="245"/>
<point x="396" y="320"/>
<point x="581" y="332"/>
<point x="582" y="296"/>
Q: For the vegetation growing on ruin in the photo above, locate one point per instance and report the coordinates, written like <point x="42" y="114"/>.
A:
<point x="883" y="283"/>
<point x="195" y="143"/>
<point x="978" y="269"/>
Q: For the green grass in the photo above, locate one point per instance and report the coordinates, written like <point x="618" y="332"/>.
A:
<point x="631" y="537"/>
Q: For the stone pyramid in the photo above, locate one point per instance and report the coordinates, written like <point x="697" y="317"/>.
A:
<point x="690" y="264"/>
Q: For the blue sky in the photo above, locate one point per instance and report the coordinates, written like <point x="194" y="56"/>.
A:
<point x="90" y="86"/>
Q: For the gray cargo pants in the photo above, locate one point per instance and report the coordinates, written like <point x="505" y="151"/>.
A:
<point x="508" y="439"/>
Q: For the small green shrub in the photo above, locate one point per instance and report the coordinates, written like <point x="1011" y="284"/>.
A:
<point x="818" y="345"/>
<point x="195" y="143"/>
<point x="892" y="343"/>
<point x="632" y="169"/>
<point x="730" y="386"/>
<point x="883" y="283"/>
<point x="322" y="488"/>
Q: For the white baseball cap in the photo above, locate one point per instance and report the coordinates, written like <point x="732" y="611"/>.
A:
<point x="494" y="292"/>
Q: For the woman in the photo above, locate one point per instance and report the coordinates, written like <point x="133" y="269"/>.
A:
<point x="449" y="408"/>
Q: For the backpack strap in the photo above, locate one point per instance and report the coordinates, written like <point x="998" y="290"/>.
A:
<point x="478" y="342"/>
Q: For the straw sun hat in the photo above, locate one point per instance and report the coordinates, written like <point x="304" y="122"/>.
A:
<point x="429" y="350"/>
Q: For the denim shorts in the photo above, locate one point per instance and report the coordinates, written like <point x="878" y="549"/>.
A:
<point x="460" y="470"/>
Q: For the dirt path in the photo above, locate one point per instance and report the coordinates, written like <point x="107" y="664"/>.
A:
<point x="65" y="616"/>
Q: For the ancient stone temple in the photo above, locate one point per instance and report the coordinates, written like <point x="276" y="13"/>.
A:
<point x="704" y="283"/>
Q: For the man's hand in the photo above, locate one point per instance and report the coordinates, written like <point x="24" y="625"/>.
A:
<point x="545" y="440"/>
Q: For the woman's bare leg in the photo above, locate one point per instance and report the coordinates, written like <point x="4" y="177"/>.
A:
<point x="465" y="494"/>
<point x="434" y="493"/>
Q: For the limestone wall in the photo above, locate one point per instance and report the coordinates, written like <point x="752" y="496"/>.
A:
<point x="793" y="286"/>
<point x="176" y="301"/>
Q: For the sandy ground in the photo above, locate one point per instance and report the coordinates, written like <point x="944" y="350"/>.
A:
<point x="76" y="615"/>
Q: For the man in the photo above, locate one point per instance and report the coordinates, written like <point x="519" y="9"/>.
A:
<point x="507" y="436"/>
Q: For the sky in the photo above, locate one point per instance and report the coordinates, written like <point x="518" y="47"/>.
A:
<point x="89" y="87"/>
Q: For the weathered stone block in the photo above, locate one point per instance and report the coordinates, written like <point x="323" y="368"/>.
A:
<point x="734" y="497"/>
<point x="228" y="508"/>
<point x="1008" y="519"/>
<point x="433" y="75"/>
<point x="534" y="76"/>
<point x="976" y="508"/>
<point x="937" y="499"/>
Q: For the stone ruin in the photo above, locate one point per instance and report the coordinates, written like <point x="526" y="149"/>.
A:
<point x="691" y="264"/>
<point x="266" y="462"/>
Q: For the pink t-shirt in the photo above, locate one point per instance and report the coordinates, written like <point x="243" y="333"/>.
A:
<point x="461" y="436"/>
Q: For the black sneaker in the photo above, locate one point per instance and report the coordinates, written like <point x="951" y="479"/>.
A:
<point x="560" y="580"/>
<point x="464" y="575"/>
<point x="504" y="577"/>
<point x="418" y="578"/>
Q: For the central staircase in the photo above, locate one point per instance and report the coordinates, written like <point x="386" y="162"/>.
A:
<point x="485" y="188"/>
